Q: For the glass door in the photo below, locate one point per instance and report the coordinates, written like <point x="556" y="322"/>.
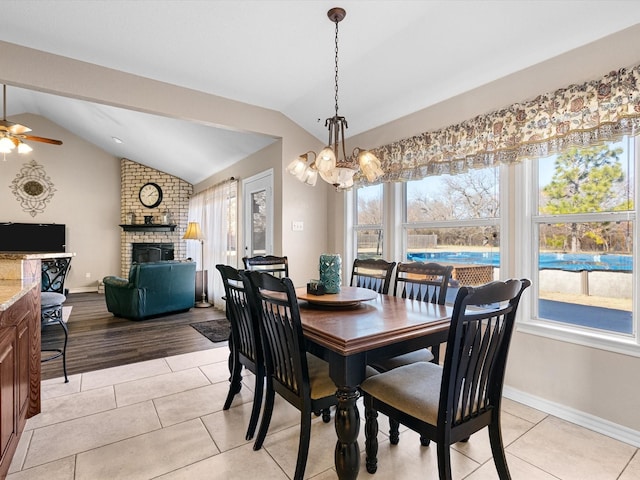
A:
<point x="258" y="214"/>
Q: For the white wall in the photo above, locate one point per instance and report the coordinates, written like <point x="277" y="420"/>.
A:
<point x="33" y="69"/>
<point x="586" y="385"/>
<point x="86" y="200"/>
<point x="597" y="384"/>
<point x="293" y="201"/>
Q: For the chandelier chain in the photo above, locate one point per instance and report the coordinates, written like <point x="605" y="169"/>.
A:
<point x="336" y="69"/>
<point x="332" y="163"/>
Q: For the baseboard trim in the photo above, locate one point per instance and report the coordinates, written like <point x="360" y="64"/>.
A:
<point x="84" y="290"/>
<point x="586" y="420"/>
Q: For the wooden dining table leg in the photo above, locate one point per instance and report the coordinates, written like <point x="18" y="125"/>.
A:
<point x="347" y="454"/>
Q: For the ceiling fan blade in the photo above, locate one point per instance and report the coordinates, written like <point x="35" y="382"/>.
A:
<point x="41" y="139"/>
<point x="14" y="128"/>
<point x="17" y="129"/>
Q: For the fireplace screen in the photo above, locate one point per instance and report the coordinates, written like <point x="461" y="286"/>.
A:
<point x="151" y="252"/>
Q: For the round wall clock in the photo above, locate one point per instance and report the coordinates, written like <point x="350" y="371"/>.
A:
<point x="150" y="195"/>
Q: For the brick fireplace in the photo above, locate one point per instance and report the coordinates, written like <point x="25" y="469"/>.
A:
<point x="175" y="202"/>
<point x="151" y="252"/>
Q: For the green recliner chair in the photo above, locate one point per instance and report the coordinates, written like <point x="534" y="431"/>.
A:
<point x="153" y="288"/>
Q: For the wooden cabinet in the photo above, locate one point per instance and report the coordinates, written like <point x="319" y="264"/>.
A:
<point x="19" y="371"/>
<point x="8" y="397"/>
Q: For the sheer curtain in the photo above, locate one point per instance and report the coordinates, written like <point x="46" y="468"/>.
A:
<point x="214" y="209"/>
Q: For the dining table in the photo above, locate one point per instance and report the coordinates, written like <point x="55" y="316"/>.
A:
<point x="351" y="334"/>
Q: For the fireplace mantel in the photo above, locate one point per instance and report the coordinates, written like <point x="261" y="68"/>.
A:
<point x="148" y="227"/>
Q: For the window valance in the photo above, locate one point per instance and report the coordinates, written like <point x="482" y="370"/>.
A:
<point x="579" y="115"/>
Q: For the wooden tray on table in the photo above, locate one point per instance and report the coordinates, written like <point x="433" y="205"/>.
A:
<point x="346" y="297"/>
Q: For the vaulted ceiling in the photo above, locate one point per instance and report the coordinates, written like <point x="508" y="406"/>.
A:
<point x="395" y="58"/>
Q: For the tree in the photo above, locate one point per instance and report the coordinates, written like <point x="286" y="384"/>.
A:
<point x="370" y="213"/>
<point x="585" y="180"/>
<point x="469" y="195"/>
<point x="370" y="209"/>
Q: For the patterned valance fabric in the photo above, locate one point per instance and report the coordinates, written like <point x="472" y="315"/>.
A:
<point x="579" y="115"/>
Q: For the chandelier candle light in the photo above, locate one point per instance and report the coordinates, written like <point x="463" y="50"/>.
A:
<point x="194" y="233"/>
<point x="337" y="171"/>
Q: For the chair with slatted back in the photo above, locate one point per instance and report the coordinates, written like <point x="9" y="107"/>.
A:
<point x="277" y="266"/>
<point x="297" y="376"/>
<point x="374" y="274"/>
<point x="449" y="403"/>
<point x="245" y="345"/>
<point x="426" y="282"/>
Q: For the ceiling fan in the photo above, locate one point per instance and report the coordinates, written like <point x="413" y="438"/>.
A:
<point x="13" y="134"/>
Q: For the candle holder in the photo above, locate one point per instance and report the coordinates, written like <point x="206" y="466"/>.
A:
<point x="331" y="272"/>
<point x="314" y="287"/>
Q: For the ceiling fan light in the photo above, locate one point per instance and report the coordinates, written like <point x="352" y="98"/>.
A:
<point x="24" y="148"/>
<point x="326" y="160"/>
<point x="6" y="145"/>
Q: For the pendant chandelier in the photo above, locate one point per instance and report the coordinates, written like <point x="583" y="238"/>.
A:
<point x="332" y="163"/>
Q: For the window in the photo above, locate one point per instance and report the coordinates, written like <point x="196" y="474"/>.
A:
<point x="582" y="228"/>
<point x="258" y="214"/>
<point x="369" y="218"/>
<point x="232" y="225"/>
<point x="455" y="219"/>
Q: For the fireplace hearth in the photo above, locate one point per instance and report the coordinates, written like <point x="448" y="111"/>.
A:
<point x="151" y="252"/>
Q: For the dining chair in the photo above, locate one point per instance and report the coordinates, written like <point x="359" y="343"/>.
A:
<point x="244" y="344"/>
<point x="426" y="282"/>
<point x="448" y="403"/>
<point x="297" y="376"/>
<point x="277" y="266"/>
<point x="374" y="274"/>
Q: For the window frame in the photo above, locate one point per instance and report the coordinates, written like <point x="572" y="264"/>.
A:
<point x="500" y="221"/>
<point x="383" y="226"/>
<point x="526" y="249"/>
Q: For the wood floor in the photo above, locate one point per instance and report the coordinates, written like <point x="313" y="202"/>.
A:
<point x="99" y="340"/>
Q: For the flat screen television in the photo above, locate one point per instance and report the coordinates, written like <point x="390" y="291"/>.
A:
<point x="32" y="237"/>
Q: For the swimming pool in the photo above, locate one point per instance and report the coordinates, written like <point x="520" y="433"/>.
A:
<point x="556" y="261"/>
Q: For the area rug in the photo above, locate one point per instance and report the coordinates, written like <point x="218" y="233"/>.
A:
<point x="215" y="330"/>
<point x="66" y="312"/>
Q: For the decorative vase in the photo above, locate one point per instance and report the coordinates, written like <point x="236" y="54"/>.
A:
<point x="331" y="272"/>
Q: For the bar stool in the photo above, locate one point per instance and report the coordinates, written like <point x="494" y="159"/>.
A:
<point x="51" y="313"/>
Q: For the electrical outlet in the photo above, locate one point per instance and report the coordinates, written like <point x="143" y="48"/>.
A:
<point x="87" y="275"/>
<point x="297" y="226"/>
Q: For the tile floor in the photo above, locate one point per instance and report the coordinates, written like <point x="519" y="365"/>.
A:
<point x="163" y="419"/>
